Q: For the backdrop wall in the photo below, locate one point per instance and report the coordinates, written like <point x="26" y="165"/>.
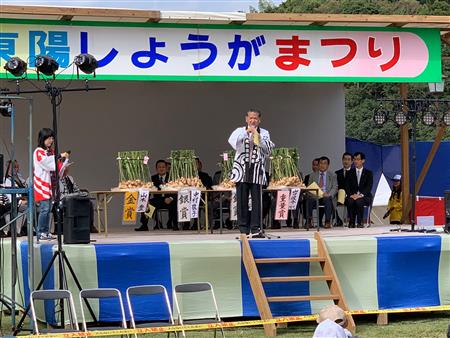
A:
<point x="161" y="116"/>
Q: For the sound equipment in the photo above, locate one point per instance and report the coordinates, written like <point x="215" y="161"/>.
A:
<point x="76" y="228"/>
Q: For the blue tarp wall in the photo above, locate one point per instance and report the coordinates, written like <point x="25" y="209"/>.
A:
<point x="387" y="159"/>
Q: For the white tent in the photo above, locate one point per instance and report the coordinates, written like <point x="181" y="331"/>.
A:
<point x="382" y="193"/>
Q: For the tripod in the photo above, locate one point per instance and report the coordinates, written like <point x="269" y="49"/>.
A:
<point x="59" y="255"/>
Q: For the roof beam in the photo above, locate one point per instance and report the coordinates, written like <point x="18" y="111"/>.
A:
<point x="349" y="18"/>
<point x="72" y="11"/>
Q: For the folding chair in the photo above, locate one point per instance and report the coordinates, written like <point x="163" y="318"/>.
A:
<point x="197" y="288"/>
<point x="134" y="292"/>
<point x="102" y="293"/>
<point x="54" y="295"/>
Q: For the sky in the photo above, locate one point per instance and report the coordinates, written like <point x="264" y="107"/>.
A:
<point x="164" y="5"/>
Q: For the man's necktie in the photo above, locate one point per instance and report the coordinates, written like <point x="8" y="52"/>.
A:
<point x="321" y="180"/>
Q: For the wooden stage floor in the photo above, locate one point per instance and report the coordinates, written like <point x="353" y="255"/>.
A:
<point x="128" y="235"/>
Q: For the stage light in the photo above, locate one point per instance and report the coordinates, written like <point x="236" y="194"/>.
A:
<point x="400" y="118"/>
<point x="428" y="118"/>
<point x="380" y="118"/>
<point x="16" y="66"/>
<point x="446" y="118"/>
<point x="5" y="108"/>
<point x="86" y="63"/>
<point x="46" y="65"/>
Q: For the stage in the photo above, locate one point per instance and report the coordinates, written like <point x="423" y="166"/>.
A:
<point x="377" y="268"/>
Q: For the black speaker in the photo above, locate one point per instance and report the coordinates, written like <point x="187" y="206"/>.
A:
<point x="76" y="228"/>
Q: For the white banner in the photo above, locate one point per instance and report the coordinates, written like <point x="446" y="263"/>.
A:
<point x="293" y="198"/>
<point x="195" y="202"/>
<point x="302" y="54"/>
<point x="184" y="205"/>
<point x="233" y="205"/>
<point x="142" y="201"/>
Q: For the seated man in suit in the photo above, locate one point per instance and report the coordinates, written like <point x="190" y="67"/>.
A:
<point x="326" y="180"/>
<point x="347" y="160"/>
<point x="204" y="177"/>
<point x="358" y="187"/>
<point x="164" y="201"/>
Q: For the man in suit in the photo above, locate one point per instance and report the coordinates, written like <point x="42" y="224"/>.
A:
<point x="347" y="160"/>
<point x="358" y="187"/>
<point x="165" y="201"/>
<point x="204" y="176"/>
<point x="326" y="180"/>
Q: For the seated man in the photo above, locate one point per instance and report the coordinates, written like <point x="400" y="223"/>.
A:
<point x="164" y="201"/>
<point x="341" y="174"/>
<point x="5" y="209"/>
<point x="22" y="202"/>
<point x="204" y="177"/>
<point x="358" y="188"/>
<point x="326" y="180"/>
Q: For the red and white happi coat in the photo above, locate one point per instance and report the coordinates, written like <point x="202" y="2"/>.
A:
<point x="44" y="164"/>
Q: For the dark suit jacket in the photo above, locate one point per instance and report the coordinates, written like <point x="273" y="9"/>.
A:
<point x="365" y="182"/>
<point x="306" y="180"/>
<point x="157" y="182"/>
<point x="340" y="178"/>
<point x="206" y="179"/>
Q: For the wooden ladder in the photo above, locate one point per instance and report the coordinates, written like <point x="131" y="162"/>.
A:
<point x="262" y="301"/>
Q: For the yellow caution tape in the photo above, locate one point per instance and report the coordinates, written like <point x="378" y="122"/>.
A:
<point x="226" y="325"/>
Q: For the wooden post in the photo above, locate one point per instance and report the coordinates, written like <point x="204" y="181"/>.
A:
<point x="404" y="144"/>
<point x="258" y="291"/>
<point x="440" y="132"/>
<point x="382" y="319"/>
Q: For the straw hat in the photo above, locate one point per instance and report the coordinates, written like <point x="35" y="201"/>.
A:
<point x="333" y="313"/>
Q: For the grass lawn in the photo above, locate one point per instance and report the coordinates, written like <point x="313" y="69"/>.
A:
<point x="407" y="325"/>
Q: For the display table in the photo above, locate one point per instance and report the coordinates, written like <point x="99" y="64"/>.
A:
<point x="104" y="197"/>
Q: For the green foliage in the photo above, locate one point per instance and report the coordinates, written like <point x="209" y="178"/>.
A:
<point x="361" y="98"/>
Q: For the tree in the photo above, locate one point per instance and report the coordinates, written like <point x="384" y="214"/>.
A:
<point x="362" y="98"/>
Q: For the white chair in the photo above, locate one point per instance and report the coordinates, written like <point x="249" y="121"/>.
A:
<point x="197" y="288"/>
<point x="102" y="293"/>
<point x="54" y="295"/>
<point x="134" y="292"/>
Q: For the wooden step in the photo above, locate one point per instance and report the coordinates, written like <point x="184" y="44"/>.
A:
<point x="301" y="298"/>
<point x="295" y="279"/>
<point x="289" y="260"/>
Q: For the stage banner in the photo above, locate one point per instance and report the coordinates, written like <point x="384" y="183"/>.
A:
<point x="195" y="202"/>
<point x="184" y="205"/>
<point x="282" y="206"/>
<point x="175" y="52"/>
<point x="233" y="205"/>
<point x="129" y="207"/>
<point x="142" y="200"/>
<point x="293" y="198"/>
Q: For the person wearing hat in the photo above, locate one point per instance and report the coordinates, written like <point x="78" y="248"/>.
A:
<point x="332" y="323"/>
<point x="394" y="208"/>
